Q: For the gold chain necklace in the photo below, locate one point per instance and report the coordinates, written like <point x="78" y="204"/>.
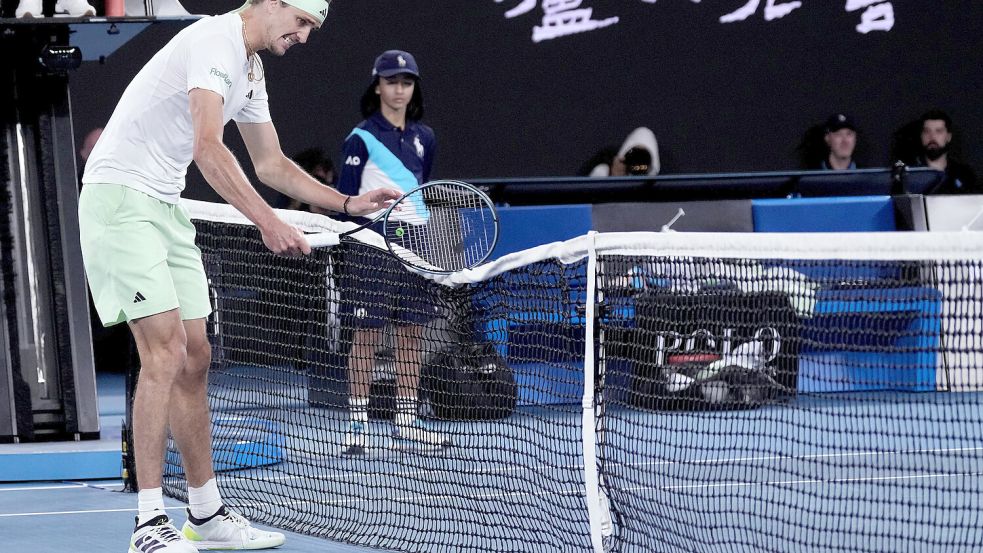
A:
<point x="251" y="75"/>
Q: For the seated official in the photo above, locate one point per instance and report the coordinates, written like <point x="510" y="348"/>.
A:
<point x="841" y="142"/>
<point x="936" y="141"/>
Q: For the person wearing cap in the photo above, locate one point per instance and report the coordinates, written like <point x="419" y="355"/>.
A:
<point x="389" y="148"/>
<point x="841" y="141"/>
<point x="138" y="244"/>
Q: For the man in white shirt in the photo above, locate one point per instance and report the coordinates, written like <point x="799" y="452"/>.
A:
<point x="138" y="244"/>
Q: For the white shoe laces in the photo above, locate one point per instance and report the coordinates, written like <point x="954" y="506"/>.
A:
<point x="167" y="533"/>
<point x="237" y="519"/>
<point x="164" y="533"/>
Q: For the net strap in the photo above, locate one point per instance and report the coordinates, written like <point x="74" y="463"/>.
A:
<point x="955" y="246"/>
<point x="324" y="231"/>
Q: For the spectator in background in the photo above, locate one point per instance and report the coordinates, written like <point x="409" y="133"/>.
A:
<point x="317" y="165"/>
<point x="88" y="143"/>
<point x="85" y="149"/>
<point x="841" y="142"/>
<point x="935" y="142"/>
<point x="831" y="146"/>
<point x="638" y="155"/>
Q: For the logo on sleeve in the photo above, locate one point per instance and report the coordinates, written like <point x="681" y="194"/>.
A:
<point x="221" y="75"/>
<point x="353" y="161"/>
<point x="249" y="95"/>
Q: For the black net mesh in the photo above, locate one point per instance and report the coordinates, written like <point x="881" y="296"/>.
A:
<point x="738" y="404"/>
<point x="790" y="405"/>
<point x="282" y="335"/>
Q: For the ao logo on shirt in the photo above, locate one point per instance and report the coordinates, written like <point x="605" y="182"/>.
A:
<point x="353" y="160"/>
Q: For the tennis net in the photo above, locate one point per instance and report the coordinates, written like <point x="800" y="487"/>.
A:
<point x="742" y="392"/>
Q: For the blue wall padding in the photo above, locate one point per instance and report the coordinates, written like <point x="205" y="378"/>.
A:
<point x="525" y="227"/>
<point x="61" y="465"/>
<point x="845" y="214"/>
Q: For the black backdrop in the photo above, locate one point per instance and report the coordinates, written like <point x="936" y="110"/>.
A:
<point x="720" y="96"/>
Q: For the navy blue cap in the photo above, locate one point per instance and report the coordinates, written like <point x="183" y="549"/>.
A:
<point x="395" y="62"/>
<point x="839" y="121"/>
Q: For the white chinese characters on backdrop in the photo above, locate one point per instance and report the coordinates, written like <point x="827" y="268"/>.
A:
<point x="569" y="17"/>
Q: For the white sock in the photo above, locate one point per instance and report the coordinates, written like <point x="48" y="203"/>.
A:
<point x="204" y="501"/>
<point x="405" y="410"/>
<point x="150" y="504"/>
<point x="358" y="409"/>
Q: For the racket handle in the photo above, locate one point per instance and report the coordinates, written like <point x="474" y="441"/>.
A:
<point x="323" y="239"/>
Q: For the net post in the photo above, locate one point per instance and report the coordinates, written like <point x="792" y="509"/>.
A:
<point x="597" y="502"/>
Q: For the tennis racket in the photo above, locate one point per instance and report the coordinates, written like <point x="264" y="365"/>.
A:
<point x="439" y="227"/>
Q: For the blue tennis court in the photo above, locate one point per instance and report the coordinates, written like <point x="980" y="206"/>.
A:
<point x="90" y="514"/>
<point x="93" y="516"/>
<point x="854" y="472"/>
<point x="790" y="477"/>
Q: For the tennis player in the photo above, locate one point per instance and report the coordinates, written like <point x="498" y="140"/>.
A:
<point x="138" y="244"/>
<point x="390" y="148"/>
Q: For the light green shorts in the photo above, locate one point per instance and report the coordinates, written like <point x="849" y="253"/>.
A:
<point x="140" y="255"/>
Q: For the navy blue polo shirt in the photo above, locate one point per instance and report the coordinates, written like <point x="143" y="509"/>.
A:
<point x="825" y="166"/>
<point x="378" y="154"/>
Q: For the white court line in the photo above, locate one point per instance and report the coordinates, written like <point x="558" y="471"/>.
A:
<point x="32" y="488"/>
<point x="526" y="468"/>
<point x="349" y="476"/>
<point x="568" y="492"/>
<point x="84" y="512"/>
<point x="581" y="492"/>
<point x="419" y="497"/>
<point x="79" y="485"/>
<point x="431" y="498"/>
<point x="353" y="476"/>
<point x="814" y="456"/>
<point x="340" y="502"/>
<point x="798" y="482"/>
<point x="807" y="456"/>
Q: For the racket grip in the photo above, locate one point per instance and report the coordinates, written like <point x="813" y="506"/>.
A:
<point x="323" y="239"/>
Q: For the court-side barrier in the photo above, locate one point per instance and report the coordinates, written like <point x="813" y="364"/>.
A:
<point x="712" y="186"/>
<point x="528" y="226"/>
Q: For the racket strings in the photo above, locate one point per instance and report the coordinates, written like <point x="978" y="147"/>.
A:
<point x="455" y="228"/>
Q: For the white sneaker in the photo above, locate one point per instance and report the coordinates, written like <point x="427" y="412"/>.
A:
<point x="29" y="8"/>
<point x="228" y="530"/>
<point x="356" y="440"/>
<point x="416" y="435"/>
<point x="158" y="535"/>
<point x="74" y="8"/>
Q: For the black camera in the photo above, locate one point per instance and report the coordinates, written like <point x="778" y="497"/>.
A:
<point x="60" y="58"/>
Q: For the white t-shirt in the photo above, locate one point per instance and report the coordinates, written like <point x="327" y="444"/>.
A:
<point x="148" y="143"/>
